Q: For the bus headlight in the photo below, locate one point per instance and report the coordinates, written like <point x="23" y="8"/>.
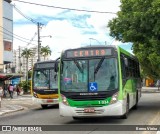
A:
<point x="35" y="94"/>
<point x="64" y="100"/>
<point x="114" y="98"/>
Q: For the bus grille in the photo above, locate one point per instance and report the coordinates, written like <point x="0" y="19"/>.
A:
<point x="82" y="98"/>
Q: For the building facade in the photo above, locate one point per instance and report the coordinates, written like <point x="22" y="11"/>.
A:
<point x="20" y="62"/>
<point x="1" y="36"/>
<point x="6" y="34"/>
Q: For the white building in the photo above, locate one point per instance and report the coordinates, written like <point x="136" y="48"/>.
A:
<point x="20" y="62"/>
<point x="6" y="30"/>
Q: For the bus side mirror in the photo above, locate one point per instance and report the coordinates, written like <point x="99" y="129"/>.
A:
<point x="126" y="62"/>
<point x="56" y="67"/>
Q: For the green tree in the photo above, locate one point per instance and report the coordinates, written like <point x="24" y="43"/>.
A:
<point x="27" y="53"/>
<point x="30" y="74"/>
<point x="138" y="22"/>
<point x="25" y="86"/>
<point x="45" y="51"/>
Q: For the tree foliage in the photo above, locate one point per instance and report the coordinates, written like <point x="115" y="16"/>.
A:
<point x="138" y="22"/>
<point x="27" y="53"/>
<point x="45" y="51"/>
<point x="25" y="86"/>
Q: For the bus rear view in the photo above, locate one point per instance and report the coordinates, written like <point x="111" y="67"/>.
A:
<point x="44" y="84"/>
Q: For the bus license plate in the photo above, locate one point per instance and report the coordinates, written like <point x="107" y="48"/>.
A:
<point x="89" y="110"/>
<point x="49" y="100"/>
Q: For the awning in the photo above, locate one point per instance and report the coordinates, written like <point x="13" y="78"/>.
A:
<point x="9" y="76"/>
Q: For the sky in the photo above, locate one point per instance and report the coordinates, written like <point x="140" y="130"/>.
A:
<point x="67" y="28"/>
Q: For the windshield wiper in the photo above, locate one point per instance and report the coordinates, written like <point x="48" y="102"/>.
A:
<point x="99" y="65"/>
<point x="78" y="66"/>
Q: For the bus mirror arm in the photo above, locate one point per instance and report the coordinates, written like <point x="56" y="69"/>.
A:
<point x="56" y="67"/>
<point x="55" y="77"/>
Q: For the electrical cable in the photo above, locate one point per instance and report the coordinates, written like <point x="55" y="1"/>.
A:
<point x="80" y="10"/>
<point x="16" y="34"/>
<point x="14" y="37"/>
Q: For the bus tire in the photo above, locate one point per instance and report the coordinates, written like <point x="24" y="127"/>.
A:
<point x="136" y="105"/>
<point x="44" y="106"/>
<point x="125" y="116"/>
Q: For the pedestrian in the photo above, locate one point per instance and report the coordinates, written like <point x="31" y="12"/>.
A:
<point x="4" y="91"/>
<point x="11" y="90"/>
<point x="18" y="90"/>
<point x="1" y="92"/>
<point x="158" y="84"/>
<point x="1" y="95"/>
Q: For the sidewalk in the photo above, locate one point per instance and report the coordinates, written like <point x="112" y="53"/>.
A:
<point x="8" y="107"/>
<point x="150" y="90"/>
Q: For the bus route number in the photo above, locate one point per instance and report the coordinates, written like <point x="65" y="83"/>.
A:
<point x="103" y="102"/>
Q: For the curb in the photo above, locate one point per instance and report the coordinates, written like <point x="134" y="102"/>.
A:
<point x="13" y="108"/>
<point x="150" y="91"/>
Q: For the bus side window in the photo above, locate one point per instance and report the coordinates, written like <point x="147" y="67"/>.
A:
<point x="123" y="68"/>
<point x="128" y="71"/>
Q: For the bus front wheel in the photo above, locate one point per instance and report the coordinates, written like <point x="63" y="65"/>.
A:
<point x="44" y="106"/>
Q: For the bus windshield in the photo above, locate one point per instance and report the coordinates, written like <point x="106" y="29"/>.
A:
<point x="76" y="75"/>
<point x="45" y="79"/>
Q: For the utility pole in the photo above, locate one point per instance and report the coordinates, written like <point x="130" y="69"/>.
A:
<point x="20" y="62"/>
<point x="105" y="42"/>
<point x="19" y="59"/>
<point x="39" y="42"/>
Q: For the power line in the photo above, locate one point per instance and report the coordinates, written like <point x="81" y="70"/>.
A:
<point x="28" y="18"/>
<point x="15" y="34"/>
<point x="80" y="10"/>
<point x="33" y="21"/>
<point x="32" y="38"/>
<point x="15" y="37"/>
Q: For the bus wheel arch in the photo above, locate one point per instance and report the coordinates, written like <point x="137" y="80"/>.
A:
<point x="125" y="116"/>
<point x="136" y="105"/>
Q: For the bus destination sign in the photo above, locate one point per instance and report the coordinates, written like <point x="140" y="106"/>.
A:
<point x="88" y="52"/>
<point x="44" y="65"/>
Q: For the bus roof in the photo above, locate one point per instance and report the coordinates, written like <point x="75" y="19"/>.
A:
<point x="48" y="61"/>
<point x="44" y="64"/>
<point x="126" y="53"/>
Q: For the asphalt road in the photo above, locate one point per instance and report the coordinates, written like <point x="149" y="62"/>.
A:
<point x="148" y="113"/>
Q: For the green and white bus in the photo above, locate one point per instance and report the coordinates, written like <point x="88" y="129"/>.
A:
<point x="98" y="81"/>
<point x="44" y="87"/>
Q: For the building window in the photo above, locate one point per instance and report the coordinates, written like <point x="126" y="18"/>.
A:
<point x="7" y="46"/>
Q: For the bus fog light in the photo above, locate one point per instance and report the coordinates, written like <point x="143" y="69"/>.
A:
<point x="114" y="98"/>
<point x="35" y="94"/>
<point x="64" y="100"/>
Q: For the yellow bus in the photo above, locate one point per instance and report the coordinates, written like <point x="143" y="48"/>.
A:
<point x="44" y="87"/>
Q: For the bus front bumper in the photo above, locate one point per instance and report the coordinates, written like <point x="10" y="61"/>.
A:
<point x="116" y="109"/>
<point x="45" y="101"/>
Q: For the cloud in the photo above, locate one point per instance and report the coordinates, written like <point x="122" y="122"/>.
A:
<point x="68" y="28"/>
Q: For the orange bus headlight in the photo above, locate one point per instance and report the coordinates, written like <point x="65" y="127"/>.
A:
<point x="114" y="98"/>
<point x="64" y="100"/>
